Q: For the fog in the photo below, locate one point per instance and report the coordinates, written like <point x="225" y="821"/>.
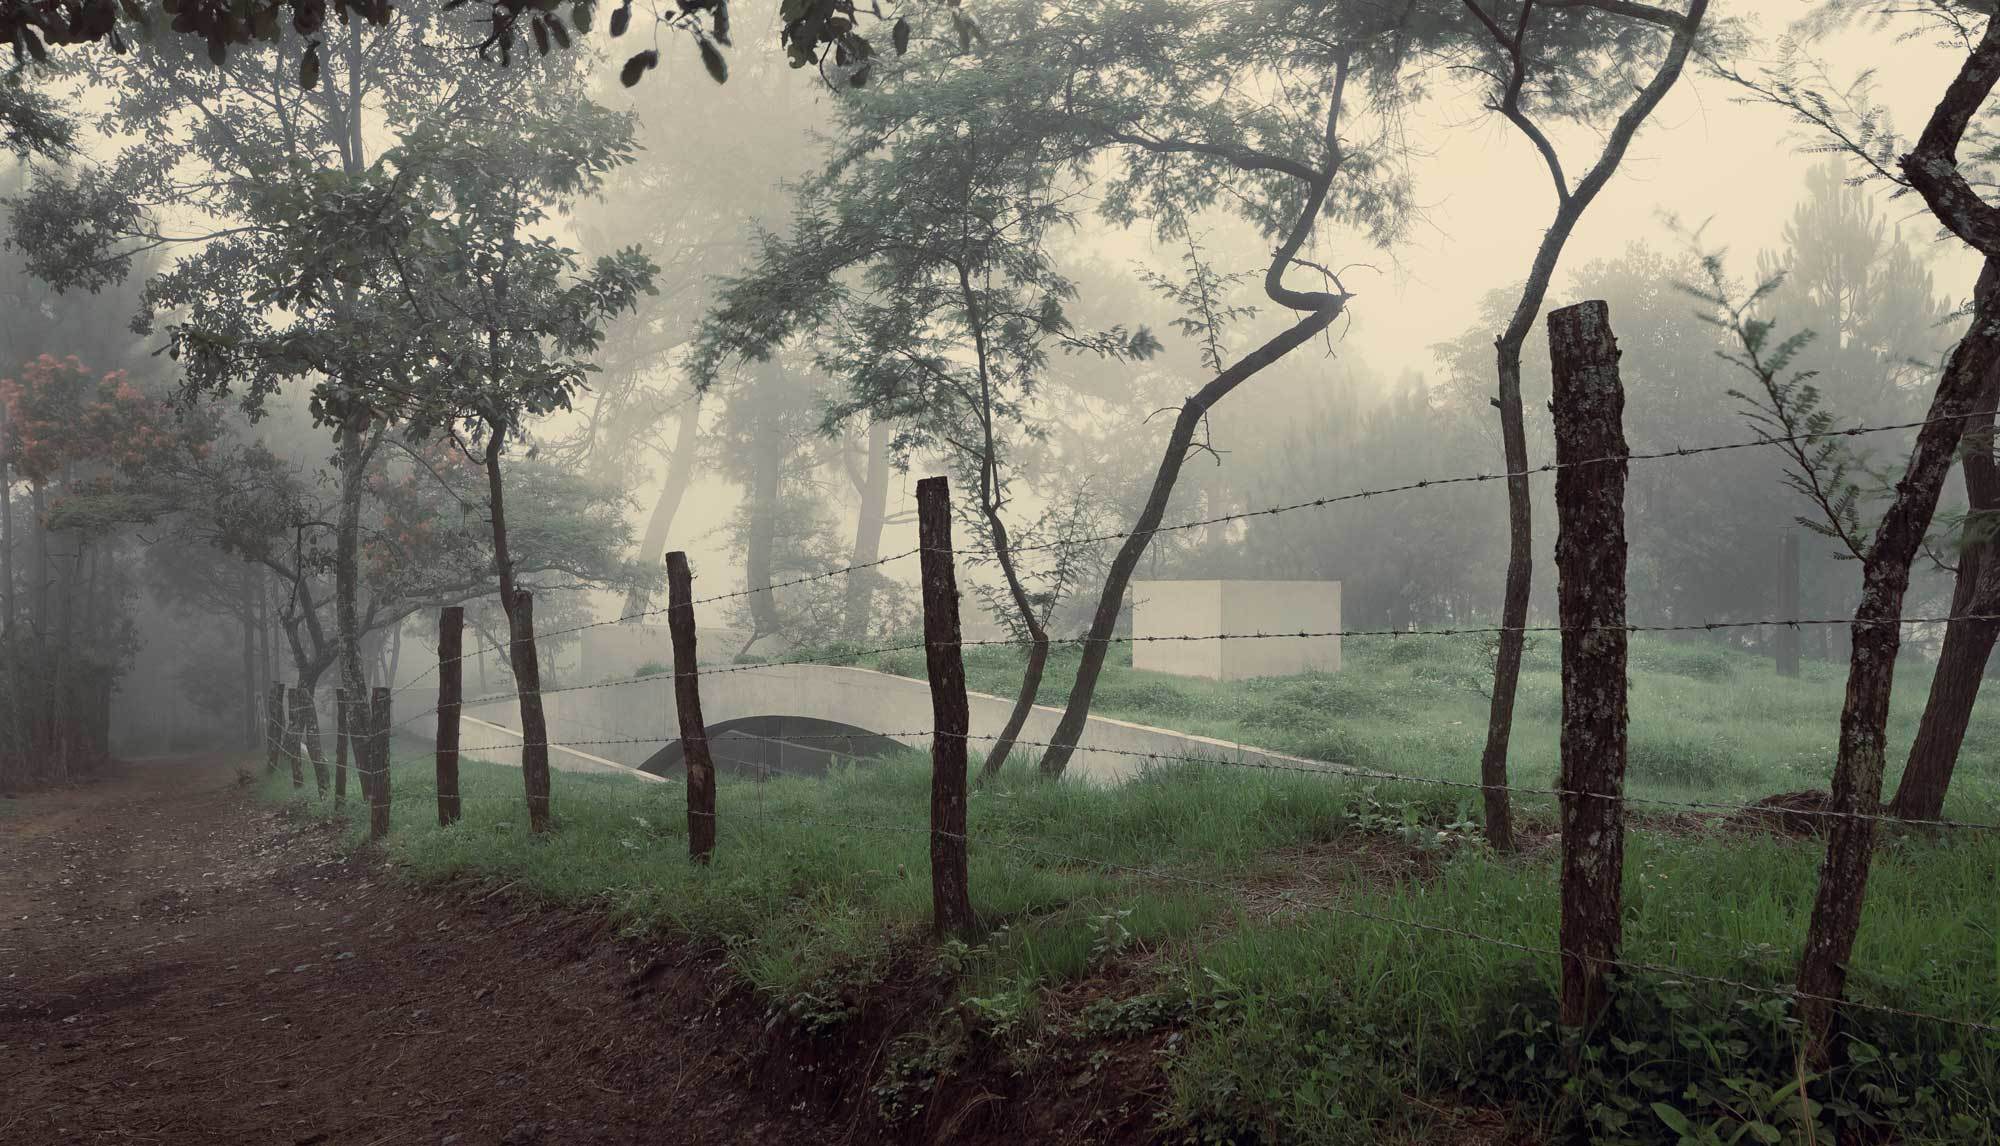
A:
<point x="180" y="528"/>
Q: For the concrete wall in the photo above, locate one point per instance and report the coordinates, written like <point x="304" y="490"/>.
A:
<point x="1211" y="608"/>
<point x="642" y="713"/>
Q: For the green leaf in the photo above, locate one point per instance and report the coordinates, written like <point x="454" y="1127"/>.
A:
<point x="1675" y="1120"/>
<point x="621" y="20"/>
<point x="638" y="66"/>
<point x="579" y="16"/>
<point x="901" y="35"/>
<point x="711" y="58"/>
<point x="541" y="36"/>
<point x="309" y="66"/>
<point x="721" y="18"/>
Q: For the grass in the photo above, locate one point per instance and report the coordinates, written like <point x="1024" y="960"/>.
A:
<point x="1280" y="923"/>
<point x="1708" y="723"/>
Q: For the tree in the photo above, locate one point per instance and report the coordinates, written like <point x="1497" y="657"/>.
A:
<point x="1931" y="168"/>
<point x="494" y="323"/>
<point x="925" y="283"/>
<point x="1557" y="66"/>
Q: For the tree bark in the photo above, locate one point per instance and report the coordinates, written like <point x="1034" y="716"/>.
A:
<point x="1871" y="674"/>
<point x="347" y="585"/>
<point x="1968" y="639"/>
<point x="1590" y="562"/>
<point x="451" y="677"/>
<point x="247" y="612"/>
<point x="869" y="519"/>
<point x="378" y="764"/>
<point x="687" y="706"/>
<point x="1570" y="206"/>
<point x="519" y="604"/>
<point x="1316" y="310"/>
<point x="1118" y="578"/>
<point x="680" y="475"/>
<point x="944" y="661"/>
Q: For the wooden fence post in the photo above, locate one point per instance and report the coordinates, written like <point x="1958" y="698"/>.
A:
<point x="534" y="724"/>
<point x="340" y="747"/>
<point x="451" y="667"/>
<point x="1787" y="644"/>
<point x="274" y="727"/>
<point x="378" y="763"/>
<point x="944" y="662"/>
<point x="687" y="703"/>
<point x="1589" y="408"/>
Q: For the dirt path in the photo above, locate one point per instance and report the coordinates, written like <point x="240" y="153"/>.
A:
<point x="178" y="964"/>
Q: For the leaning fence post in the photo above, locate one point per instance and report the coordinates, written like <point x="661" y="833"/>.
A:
<point x="274" y="727"/>
<point x="687" y="704"/>
<point x="1589" y="407"/>
<point x="340" y="747"/>
<point x="378" y="763"/>
<point x="451" y="640"/>
<point x="295" y="727"/>
<point x="944" y="663"/>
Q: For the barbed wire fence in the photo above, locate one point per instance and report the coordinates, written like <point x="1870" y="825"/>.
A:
<point x="943" y="647"/>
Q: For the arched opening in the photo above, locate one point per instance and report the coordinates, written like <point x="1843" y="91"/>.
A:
<point x="776" y="745"/>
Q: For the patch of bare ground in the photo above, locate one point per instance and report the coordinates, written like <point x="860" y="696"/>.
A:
<point x="185" y="965"/>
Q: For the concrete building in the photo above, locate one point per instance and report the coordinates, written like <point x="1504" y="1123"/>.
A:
<point x="1184" y="617"/>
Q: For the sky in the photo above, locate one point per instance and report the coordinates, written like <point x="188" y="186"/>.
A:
<point x="1705" y="155"/>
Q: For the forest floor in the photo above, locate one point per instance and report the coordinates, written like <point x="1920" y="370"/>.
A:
<point x="182" y="963"/>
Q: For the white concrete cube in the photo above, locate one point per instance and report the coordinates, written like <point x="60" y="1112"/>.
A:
<point x="1209" y="609"/>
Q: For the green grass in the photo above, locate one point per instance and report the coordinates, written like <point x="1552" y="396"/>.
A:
<point x="1708" y="723"/>
<point x="1251" y="926"/>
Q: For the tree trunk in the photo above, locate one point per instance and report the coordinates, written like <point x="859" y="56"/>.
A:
<point x="680" y="475"/>
<point x="378" y="764"/>
<point x="347" y="585"/>
<point x="1968" y="641"/>
<point x="1038" y="647"/>
<point x="1111" y="599"/>
<point x="687" y="707"/>
<point x="520" y="649"/>
<point x="1590" y="562"/>
<point x="451" y="677"/>
<point x="1513" y="605"/>
<point x="1570" y="206"/>
<point x="1871" y="674"/>
<point x="944" y="661"/>
<point x="247" y="607"/>
<point x="873" y="510"/>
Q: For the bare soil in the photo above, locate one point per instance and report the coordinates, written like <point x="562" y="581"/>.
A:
<point x="181" y="964"/>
